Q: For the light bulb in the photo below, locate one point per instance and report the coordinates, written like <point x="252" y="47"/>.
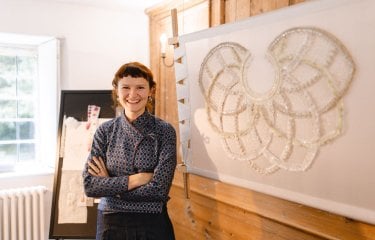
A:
<point x="163" y="43"/>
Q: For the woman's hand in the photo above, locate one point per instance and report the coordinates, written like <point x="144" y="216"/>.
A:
<point x="97" y="167"/>
<point x="139" y="179"/>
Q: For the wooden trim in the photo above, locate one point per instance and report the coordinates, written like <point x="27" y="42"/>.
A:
<point x="217" y="12"/>
<point x="161" y="11"/>
<point x="311" y="220"/>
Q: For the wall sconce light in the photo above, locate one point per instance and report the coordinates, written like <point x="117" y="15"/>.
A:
<point x="163" y="48"/>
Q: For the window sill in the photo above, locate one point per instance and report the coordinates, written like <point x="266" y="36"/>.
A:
<point x="27" y="170"/>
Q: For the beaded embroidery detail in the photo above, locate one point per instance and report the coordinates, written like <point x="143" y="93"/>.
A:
<point x="302" y="111"/>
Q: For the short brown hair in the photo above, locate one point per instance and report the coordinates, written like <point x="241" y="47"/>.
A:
<point x="132" y="69"/>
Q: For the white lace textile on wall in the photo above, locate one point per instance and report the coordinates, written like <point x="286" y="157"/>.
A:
<point x="284" y="126"/>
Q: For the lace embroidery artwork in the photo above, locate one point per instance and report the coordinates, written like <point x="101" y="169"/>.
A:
<point x="284" y="126"/>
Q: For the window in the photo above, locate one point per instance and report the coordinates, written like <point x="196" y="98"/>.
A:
<point x="18" y="74"/>
<point x="28" y="101"/>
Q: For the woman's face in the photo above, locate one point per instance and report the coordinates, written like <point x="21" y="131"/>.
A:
<point x="133" y="95"/>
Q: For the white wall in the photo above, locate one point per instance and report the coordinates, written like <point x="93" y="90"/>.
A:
<point x="95" y="42"/>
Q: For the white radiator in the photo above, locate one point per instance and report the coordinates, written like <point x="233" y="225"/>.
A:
<point x="22" y="214"/>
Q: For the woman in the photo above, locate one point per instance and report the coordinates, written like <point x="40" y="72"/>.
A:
<point x="131" y="163"/>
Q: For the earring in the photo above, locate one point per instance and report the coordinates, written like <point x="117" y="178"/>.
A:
<point x="150" y="100"/>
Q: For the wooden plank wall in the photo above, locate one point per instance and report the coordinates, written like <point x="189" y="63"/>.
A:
<point x="217" y="210"/>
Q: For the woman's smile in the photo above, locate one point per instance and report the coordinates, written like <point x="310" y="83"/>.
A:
<point x="133" y="94"/>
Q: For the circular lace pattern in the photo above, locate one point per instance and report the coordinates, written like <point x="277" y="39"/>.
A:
<point x="285" y="126"/>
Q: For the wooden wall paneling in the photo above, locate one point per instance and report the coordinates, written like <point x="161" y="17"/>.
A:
<point x="284" y="3"/>
<point x="217" y="12"/>
<point x="291" y="2"/>
<point x="260" y="6"/>
<point x="242" y="9"/>
<point x="230" y="11"/>
<point x="179" y="212"/>
<point x="211" y="218"/>
<point x="167" y="98"/>
<point x="166" y="107"/>
<point x="192" y="16"/>
<point x="236" y="10"/>
<point x="155" y="59"/>
<point x="195" y="18"/>
<point x="299" y="218"/>
<point x="158" y="24"/>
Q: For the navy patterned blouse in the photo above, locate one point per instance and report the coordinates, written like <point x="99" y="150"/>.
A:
<point x="148" y="144"/>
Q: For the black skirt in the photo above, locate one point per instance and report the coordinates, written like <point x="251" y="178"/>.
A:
<point x="134" y="226"/>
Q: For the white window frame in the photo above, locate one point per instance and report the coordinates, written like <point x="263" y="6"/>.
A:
<point x="48" y="89"/>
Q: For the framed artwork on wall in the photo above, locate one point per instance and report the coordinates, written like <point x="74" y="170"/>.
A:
<point x="279" y="103"/>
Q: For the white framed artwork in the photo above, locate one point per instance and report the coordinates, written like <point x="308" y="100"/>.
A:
<point x="281" y="103"/>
